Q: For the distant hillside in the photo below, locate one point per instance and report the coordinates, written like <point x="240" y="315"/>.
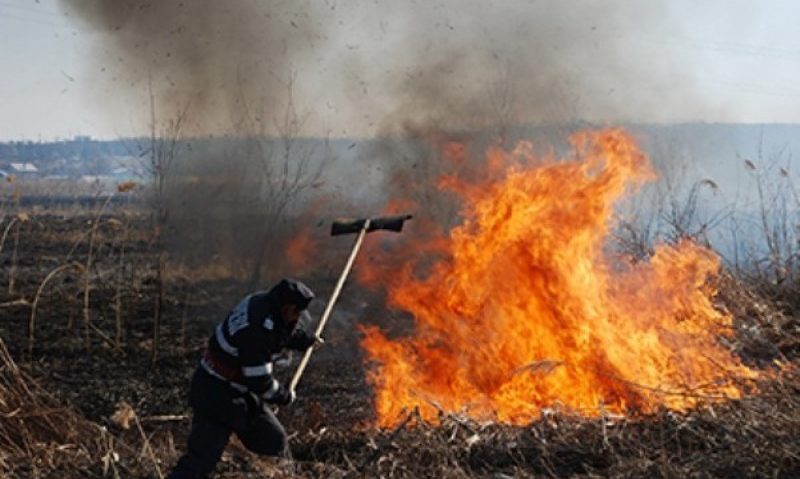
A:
<point x="72" y="158"/>
<point x="713" y="150"/>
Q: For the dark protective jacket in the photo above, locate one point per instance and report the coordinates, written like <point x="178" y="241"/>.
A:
<point x="242" y="347"/>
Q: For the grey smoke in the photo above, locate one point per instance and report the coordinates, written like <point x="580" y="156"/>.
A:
<point x="209" y="53"/>
<point x="427" y="71"/>
<point x="369" y="67"/>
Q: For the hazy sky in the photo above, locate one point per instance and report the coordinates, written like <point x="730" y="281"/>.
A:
<point x="362" y="66"/>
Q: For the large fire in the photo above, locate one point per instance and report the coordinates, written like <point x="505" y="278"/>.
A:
<point x="528" y="307"/>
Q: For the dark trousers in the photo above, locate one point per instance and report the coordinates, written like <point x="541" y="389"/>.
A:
<point x="218" y="412"/>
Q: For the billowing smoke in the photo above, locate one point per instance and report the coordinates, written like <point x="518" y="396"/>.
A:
<point x="209" y="54"/>
<point x="420" y="78"/>
<point x="472" y="74"/>
<point x="367" y="68"/>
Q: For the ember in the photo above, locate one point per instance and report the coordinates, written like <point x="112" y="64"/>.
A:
<point x="528" y="307"/>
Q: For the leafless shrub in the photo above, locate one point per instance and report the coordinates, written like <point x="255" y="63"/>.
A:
<point x="165" y="144"/>
<point x="237" y="202"/>
<point x="773" y="261"/>
<point x="669" y="212"/>
<point x="285" y="171"/>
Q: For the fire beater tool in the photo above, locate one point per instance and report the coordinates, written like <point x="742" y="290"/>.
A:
<point x="343" y="227"/>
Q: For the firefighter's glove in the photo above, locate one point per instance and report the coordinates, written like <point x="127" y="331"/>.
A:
<point x="283" y="397"/>
<point x="301" y="340"/>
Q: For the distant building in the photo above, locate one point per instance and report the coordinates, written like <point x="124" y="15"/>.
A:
<point x="123" y="174"/>
<point x="96" y="179"/>
<point x="24" y="169"/>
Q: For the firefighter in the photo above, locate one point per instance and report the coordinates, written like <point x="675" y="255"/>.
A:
<point x="233" y="386"/>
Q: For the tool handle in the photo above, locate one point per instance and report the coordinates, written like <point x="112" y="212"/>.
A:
<point x="329" y="307"/>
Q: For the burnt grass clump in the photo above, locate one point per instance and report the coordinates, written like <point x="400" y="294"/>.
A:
<point x="87" y="399"/>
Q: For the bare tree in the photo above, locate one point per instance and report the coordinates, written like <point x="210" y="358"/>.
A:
<point x="160" y="154"/>
<point x="286" y="170"/>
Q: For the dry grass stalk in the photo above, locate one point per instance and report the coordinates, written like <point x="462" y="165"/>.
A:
<point x="120" y="238"/>
<point x="37" y="434"/>
<point x="18" y="220"/>
<point x="118" y="291"/>
<point x="123" y="417"/>
<point x="6" y="231"/>
<point x="34" y="305"/>
<point x="87" y="272"/>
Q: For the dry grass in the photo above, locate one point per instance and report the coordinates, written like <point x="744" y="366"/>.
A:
<point x="752" y="437"/>
<point x="41" y="436"/>
<point x="38" y="434"/>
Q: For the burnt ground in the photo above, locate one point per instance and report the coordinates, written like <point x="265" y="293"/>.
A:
<point x="96" y="376"/>
<point x="92" y="373"/>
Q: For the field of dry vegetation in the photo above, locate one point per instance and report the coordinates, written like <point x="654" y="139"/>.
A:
<point x="90" y="386"/>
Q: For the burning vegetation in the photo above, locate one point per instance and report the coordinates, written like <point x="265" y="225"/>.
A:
<point x="537" y="348"/>
<point x="529" y="307"/>
<point x="505" y="334"/>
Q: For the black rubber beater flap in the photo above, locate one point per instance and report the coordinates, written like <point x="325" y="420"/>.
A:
<point x="349" y="226"/>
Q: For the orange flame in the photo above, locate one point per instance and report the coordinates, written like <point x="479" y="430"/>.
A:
<point x="299" y="249"/>
<point x="528" y="309"/>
